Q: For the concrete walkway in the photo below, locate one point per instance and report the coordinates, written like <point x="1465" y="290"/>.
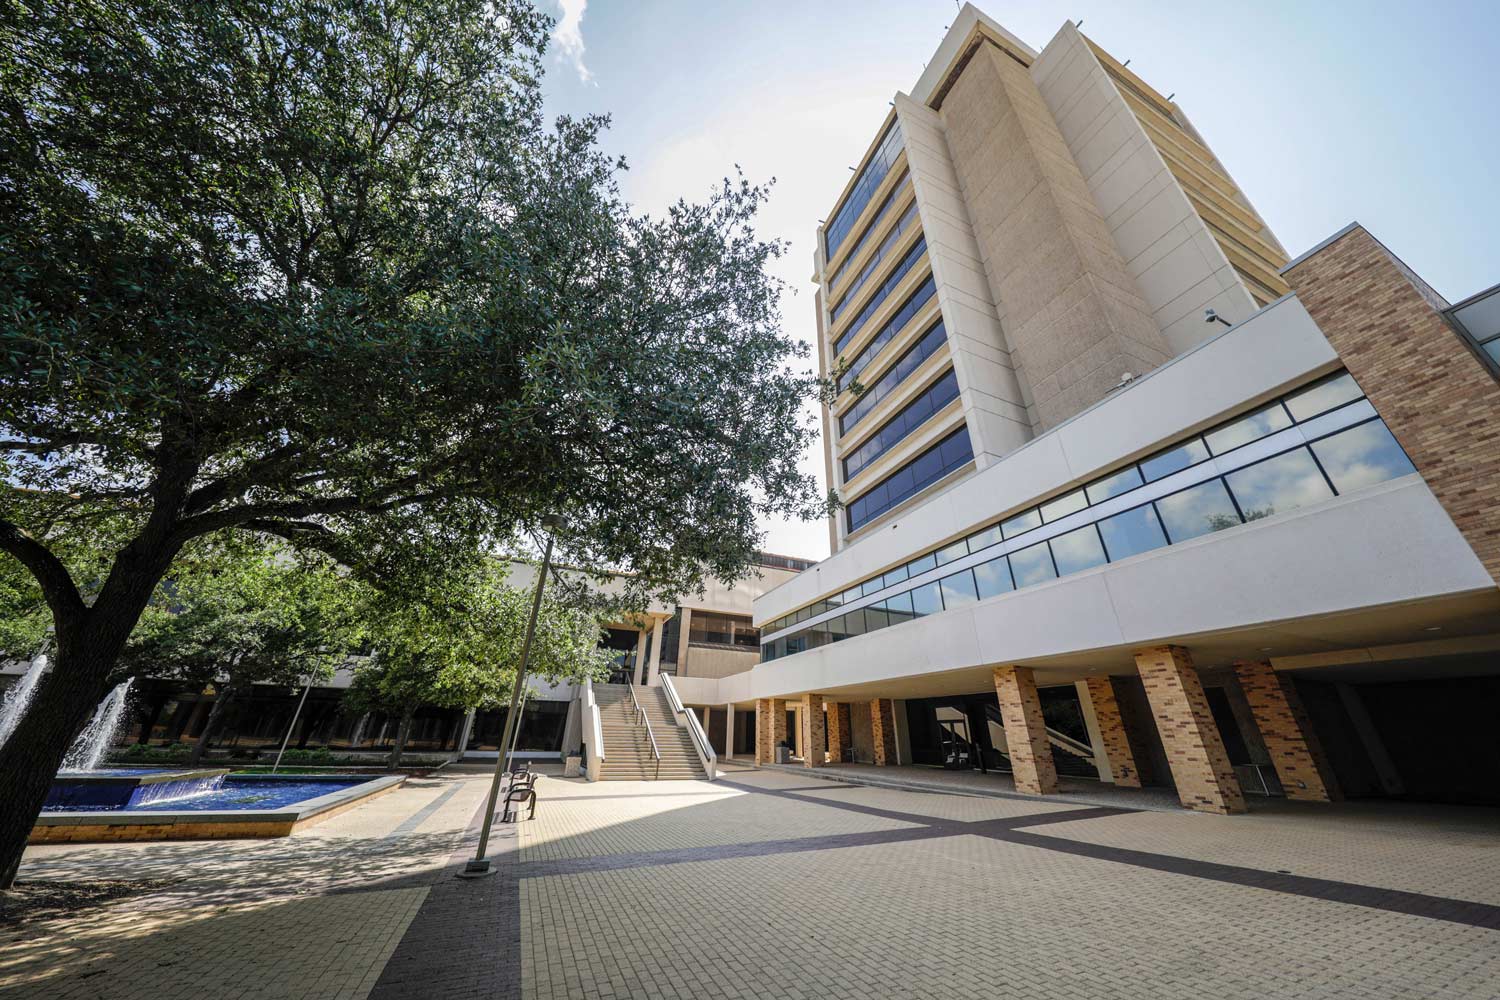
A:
<point x="777" y="884"/>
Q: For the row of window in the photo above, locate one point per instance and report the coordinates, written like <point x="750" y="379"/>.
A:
<point x="722" y="630"/>
<point x="903" y="185"/>
<point x="883" y="336"/>
<point x="843" y="220"/>
<point x="1344" y="461"/>
<point x="877" y="299"/>
<point x="1303" y="404"/>
<point x="951" y="453"/>
<point x="897" y="373"/>
<point x="907" y="419"/>
<point x="903" y="224"/>
<point x="783" y="562"/>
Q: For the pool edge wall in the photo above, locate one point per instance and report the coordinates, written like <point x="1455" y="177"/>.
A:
<point x="94" y="828"/>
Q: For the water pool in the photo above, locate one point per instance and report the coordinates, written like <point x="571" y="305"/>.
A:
<point x="235" y="792"/>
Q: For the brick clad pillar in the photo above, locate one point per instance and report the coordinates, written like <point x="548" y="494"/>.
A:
<point x="1025" y="731"/>
<point x="1439" y="401"/>
<point x="1295" y="750"/>
<point x="814" y="732"/>
<point x="1112" y="732"/>
<point x="1200" y="766"/>
<point x="883" y="731"/>
<point x="770" y="728"/>
<point x="839" y="732"/>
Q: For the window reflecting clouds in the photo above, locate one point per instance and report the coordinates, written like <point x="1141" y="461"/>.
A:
<point x="1362" y="456"/>
<point x="1279" y="484"/>
<point x="1197" y="511"/>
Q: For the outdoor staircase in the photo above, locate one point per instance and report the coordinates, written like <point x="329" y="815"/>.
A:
<point x="627" y="748"/>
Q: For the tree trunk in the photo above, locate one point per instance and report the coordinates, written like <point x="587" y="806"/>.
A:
<point x="225" y="695"/>
<point x="402" y="732"/>
<point x="89" y="641"/>
<point x="64" y="699"/>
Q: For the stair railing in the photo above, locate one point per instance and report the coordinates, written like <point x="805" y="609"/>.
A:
<point x="641" y="715"/>
<point x="689" y="720"/>
<point x="593" y="732"/>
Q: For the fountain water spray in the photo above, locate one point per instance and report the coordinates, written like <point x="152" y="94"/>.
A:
<point x="18" y="696"/>
<point x="92" y="744"/>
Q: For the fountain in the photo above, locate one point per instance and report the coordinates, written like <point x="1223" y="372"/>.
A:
<point x="82" y="784"/>
<point x="99" y="735"/>
<point x="88" y="802"/>
<point x="18" y="696"/>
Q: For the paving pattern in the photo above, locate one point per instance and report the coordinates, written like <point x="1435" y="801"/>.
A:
<point x="776" y="884"/>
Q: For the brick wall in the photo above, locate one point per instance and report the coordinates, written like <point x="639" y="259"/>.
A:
<point x="814" y="735"/>
<point x="839" y="731"/>
<point x="1439" y="401"/>
<point x="770" y="728"/>
<point x="1200" y="766"/>
<point x="1293" y="746"/>
<point x="1025" y="731"/>
<point x="1112" y="732"/>
<point x="883" y="725"/>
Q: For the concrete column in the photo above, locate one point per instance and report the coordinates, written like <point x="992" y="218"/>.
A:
<point x="1025" y="731"/>
<point x="640" y="656"/>
<point x="1098" y="696"/>
<point x="1369" y="736"/>
<point x="728" y="730"/>
<point x="655" y="665"/>
<point x="840" y="732"/>
<point x="1293" y="747"/>
<point x="682" y="643"/>
<point x="883" y="731"/>
<point x="813" y="731"/>
<point x="1195" y="751"/>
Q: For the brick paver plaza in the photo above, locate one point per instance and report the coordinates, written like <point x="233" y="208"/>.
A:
<point x="771" y="884"/>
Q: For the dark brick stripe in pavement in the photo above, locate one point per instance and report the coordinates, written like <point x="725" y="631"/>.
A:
<point x="1458" y="911"/>
<point x="1391" y="900"/>
<point x="419" y="817"/>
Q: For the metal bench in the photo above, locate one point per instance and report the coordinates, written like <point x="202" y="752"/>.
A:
<point x="522" y="790"/>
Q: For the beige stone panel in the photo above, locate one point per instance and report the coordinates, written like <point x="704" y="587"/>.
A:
<point x="716" y="661"/>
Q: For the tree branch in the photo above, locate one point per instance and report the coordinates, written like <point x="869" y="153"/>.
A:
<point x="56" y="583"/>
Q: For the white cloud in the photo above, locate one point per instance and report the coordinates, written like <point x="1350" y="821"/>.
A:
<point x="568" y="36"/>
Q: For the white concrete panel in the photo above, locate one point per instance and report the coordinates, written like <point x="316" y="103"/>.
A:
<point x="1388" y="544"/>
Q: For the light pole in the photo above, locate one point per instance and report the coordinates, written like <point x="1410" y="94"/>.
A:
<point x="481" y="863"/>
<point x="291" y="726"/>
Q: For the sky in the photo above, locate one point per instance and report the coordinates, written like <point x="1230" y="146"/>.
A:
<point x="1324" y="113"/>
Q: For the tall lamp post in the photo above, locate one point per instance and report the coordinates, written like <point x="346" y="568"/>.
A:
<point x="481" y="863"/>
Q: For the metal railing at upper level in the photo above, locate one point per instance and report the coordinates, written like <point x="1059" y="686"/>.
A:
<point x="641" y="715"/>
<point x="689" y="720"/>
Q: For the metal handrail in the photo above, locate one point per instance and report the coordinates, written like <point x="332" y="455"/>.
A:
<point x="1069" y="743"/>
<point x="655" y="751"/>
